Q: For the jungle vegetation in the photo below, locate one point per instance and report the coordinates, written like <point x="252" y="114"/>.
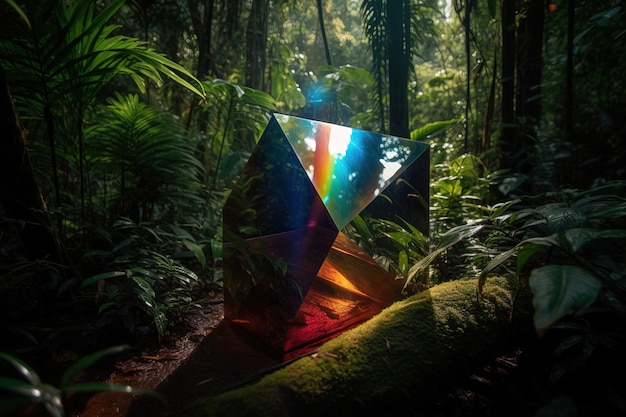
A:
<point x="125" y="122"/>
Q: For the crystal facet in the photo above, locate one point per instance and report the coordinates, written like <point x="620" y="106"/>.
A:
<point x="292" y="279"/>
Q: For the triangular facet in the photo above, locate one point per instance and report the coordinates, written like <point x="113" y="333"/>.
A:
<point x="348" y="167"/>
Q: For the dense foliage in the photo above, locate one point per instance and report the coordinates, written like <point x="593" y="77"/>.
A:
<point x="126" y="122"/>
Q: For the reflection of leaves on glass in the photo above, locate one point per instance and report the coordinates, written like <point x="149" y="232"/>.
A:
<point x="250" y="265"/>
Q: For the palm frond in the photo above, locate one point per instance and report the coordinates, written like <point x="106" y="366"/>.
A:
<point x="143" y="154"/>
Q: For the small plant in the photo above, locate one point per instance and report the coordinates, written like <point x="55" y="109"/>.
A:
<point x="571" y="248"/>
<point x="143" y="282"/>
<point x="459" y="196"/>
<point x="159" y="288"/>
<point x="30" y="389"/>
<point x="394" y="245"/>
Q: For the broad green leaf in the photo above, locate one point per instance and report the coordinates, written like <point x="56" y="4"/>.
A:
<point x="217" y="248"/>
<point x="147" y="293"/>
<point x="455" y="235"/>
<point x="525" y="252"/>
<point x="560" y="290"/>
<point x="504" y="256"/>
<point x="20" y="387"/>
<point x="448" y="240"/>
<point x="22" y="367"/>
<point x="180" y="232"/>
<point x="511" y="183"/>
<point x="401" y="238"/>
<point x="564" y="218"/>
<point x="196" y="250"/>
<point x="501" y="208"/>
<point x="361" y="226"/>
<point x="99" y="277"/>
<point x="614" y="211"/>
<point x="579" y="237"/>
<point x="431" y="130"/>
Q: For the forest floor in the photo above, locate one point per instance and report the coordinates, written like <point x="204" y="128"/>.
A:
<point x="205" y="356"/>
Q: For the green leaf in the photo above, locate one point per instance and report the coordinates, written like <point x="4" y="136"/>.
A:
<point x="432" y="129"/>
<point x="500" y="208"/>
<point x="563" y="218"/>
<point x="22" y="367"/>
<point x="19" y="11"/>
<point x="525" y="252"/>
<point x="403" y="261"/>
<point x="579" y="237"/>
<point x="504" y="256"/>
<point x="196" y="250"/>
<point x="99" y="277"/>
<point x="614" y="211"/>
<point x="457" y="234"/>
<point x="147" y="293"/>
<point x="362" y="228"/>
<point x="449" y="239"/>
<point x="560" y="290"/>
<point x="20" y="387"/>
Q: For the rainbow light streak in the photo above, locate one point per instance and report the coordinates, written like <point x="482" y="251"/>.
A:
<point x="348" y="167"/>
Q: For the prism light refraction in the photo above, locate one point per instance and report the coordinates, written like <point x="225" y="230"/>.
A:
<point x="292" y="279"/>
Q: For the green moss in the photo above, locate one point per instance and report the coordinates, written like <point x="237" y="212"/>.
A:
<point x="410" y="350"/>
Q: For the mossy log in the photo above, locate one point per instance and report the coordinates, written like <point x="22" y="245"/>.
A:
<point x="397" y="360"/>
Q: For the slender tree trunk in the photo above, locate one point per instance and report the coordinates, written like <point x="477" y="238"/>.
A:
<point x="20" y="195"/>
<point x="468" y="69"/>
<point x="529" y="62"/>
<point x="202" y="19"/>
<point x="320" y="16"/>
<point x="256" y="39"/>
<point x="489" y="113"/>
<point x="508" y="129"/>
<point x="399" y="35"/>
<point x="569" y="83"/>
<point x="528" y="69"/>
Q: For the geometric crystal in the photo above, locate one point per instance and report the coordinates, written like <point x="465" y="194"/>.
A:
<point x="292" y="279"/>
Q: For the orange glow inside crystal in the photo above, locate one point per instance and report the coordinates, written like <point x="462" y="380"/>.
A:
<point x="292" y="279"/>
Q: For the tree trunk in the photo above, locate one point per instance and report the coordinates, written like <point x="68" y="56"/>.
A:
<point x="569" y="87"/>
<point x="508" y="130"/>
<point x="529" y="62"/>
<point x="399" y="35"/>
<point x="320" y="17"/>
<point x="202" y="19"/>
<point x="256" y="39"/>
<point x="20" y="196"/>
<point x="528" y="69"/>
<point x="396" y="361"/>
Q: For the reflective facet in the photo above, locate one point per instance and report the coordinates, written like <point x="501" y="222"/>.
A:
<point x="291" y="278"/>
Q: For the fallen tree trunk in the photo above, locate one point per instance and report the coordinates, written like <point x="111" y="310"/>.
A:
<point x="397" y="360"/>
